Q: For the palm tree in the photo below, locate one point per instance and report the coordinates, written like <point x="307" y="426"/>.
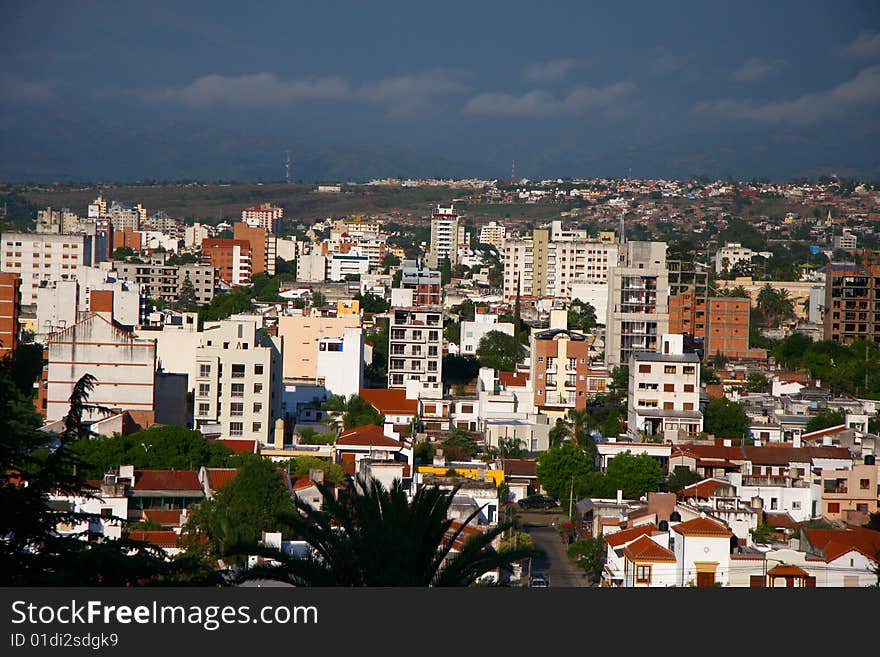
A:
<point x="373" y="536"/>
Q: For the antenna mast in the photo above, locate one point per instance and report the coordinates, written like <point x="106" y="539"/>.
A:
<point x="287" y="168"/>
<point x="513" y="171"/>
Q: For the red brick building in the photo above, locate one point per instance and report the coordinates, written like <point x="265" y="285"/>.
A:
<point x="10" y="302"/>
<point x="263" y="247"/>
<point x="232" y="258"/>
<point x="560" y="370"/>
<point x="721" y="322"/>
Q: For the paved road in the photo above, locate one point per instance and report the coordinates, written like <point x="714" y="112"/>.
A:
<point x="557" y="567"/>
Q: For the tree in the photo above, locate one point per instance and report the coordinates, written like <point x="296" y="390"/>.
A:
<point x="825" y="419"/>
<point x="725" y="418"/>
<point x="186" y="300"/>
<point x="372" y="536"/>
<point x="558" y="466"/>
<point x="303" y="465"/>
<point x="757" y="382"/>
<point x="499" y="351"/>
<point x="589" y="553"/>
<point x="371" y="303"/>
<point x="459" y="445"/>
<point x="355" y="411"/>
<point x="763" y="533"/>
<point x="460" y="369"/>
<point x="445" y="270"/>
<point x="123" y="252"/>
<point x="255" y="500"/>
<point x="581" y="316"/>
<point x="619" y="380"/>
<point x="634" y="474"/>
<point x="681" y="477"/>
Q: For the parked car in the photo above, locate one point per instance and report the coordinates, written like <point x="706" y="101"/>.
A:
<point x="539" y="581"/>
<point x="537" y="502"/>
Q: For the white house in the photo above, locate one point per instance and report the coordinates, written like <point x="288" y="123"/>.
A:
<point x="702" y="552"/>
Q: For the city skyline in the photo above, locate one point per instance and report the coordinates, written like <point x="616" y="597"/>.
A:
<point x="358" y="93"/>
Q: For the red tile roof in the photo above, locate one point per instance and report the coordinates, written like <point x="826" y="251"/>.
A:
<point x="368" y="435"/>
<point x="644" y="549"/>
<point x="187" y="480"/>
<point x="520" y="467"/>
<point x="390" y="401"/>
<point x="705" y="488"/>
<point x="785" y="454"/>
<point x="782" y="520"/>
<point x="827" y="431"/>
<point x="788" y="571"/>
<point x="165" y="517"/>
<point x="164" y="538"/>
<point x="717" y="452"/>
<point x="834" y="543"/>
<point x="702" y="527"/>
<point x="625" y="535"/>
<point x="219" y="477"/>
<point x="513" y="379"/>
<point x="301" y="481"/>
<point x="241" y="446"/>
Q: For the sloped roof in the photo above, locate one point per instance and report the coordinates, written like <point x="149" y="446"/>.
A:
<point x="513" y="379"/>
<point x="164" y="538"/>
<point x="625" y="535"/>
<point x="179" y="480"/>
<point x="702" y="527"/>
<point x="165" y="517"/>
<point x="390" y="401"/>
<point x="644" y="549"/>
<point x="705" y="488"/>
<point x="368" y="435"/>
<point x="219" y="477"/>
<point x="837" y="542"/>
<point x="785" y="454"/>
<point x="241" y="446"/>
<point x="520" y="467"/>
<point x="783" y="570"/>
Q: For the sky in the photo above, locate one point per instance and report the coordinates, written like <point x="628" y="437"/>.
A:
<point x="220" y="91"/>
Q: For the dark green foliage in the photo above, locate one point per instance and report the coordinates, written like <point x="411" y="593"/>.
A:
<point x="849" y="369"/>
<point x="123" y="252"/>
<point x="708" y="375"/>
<point x="635" y="474"/>
<point x="255" y="500"/>
<point x="725" y="419"/>
<point x="558" y="465"/>
<point x="680" y="477"/>
<point x="225" y="304"/>
<point x="355" y="411"/>
<point x="460" y="369"/>
<point x="499" y="351"/>
<point x="466" y="310"/>
<point x="157" y="448"/>
<point x="186" y="300"/>
<point x="26" y="367"/>
<point x="377" y="371"/>
<point x="459" y="444"/>
<point x="183" y="259"/>
<point x="826" y="419"/>
<point x="370" y="303"/>
<point x="581" y="316"/>
<point x="303" y="465"/>
<point x="370" y="536"/>
<point x="589" y="553"/>
<point x="424" y="452"/>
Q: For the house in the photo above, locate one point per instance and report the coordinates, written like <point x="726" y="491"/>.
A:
<point x="647" y="563"/>
<point x="371" y="442"/>
<point x="614" y="570"/>
<point x="393" y="404"/>
<point x="702" y="552"/>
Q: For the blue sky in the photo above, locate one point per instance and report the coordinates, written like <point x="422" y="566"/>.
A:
<point x="133" y="90"/>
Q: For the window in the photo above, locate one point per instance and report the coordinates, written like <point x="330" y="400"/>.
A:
<point x="668" y="387"/>
<point x="204" y="409"/>
<point x="689" y="369"/>
<point x="834" y="507"/>
<point x="643" y="574"/>
<point x="257" y="427"/>
<point x="236" y="428"/>
<point x="795" y="505"/>
<point x="204" y="369"/>
<point x="258" y="407"/>
<point x="258" y="370"/>
<point x="862" y="508"/>
<point x="415" y="364"/>
<point x="864" y="484"/>
<point x="688" y="406"/>
<point x="774" y="503"/>
<point x="258" y="388"/>
<point x="669" y="369"/>
<point x="204" y="389"/>
<point x="416" y="335"/>
<point x="238" y="390"/>
<point x="237" y="371"/>
<point x="236" y="408"/>
<point x="668" y="406"/>
<point x="397" y="379"/>
<point x="644" y="369"/>
<point x="688" y="387"/>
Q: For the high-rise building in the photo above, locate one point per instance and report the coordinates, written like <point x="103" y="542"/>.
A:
<point x="638" y="298"/>
<point x="424" y="282"/>
<point x="238" y="379"/>
<point x="163" y="282"/>
<point x="265" y="216"/>
<point x="851" y="292"/>
<point x="43" y="257"/>
<point x="444" y="236"/>
<point x="264" y="247"/>
<point x="493" y="233"/>
<point x="560" y="365"/>
<point x="232" y="259"/>
<point x="415" y="350"/>
<point x="10" y="302"/>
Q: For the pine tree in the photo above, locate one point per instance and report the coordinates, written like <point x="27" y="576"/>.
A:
<point x="186" y="300"/>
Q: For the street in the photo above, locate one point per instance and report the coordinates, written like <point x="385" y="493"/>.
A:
<point x="557" y="567"/>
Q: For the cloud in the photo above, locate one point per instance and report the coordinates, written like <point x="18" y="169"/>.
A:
<point x="668" y="64"/>
<point x="539" y="103"/>
<point x="867" y="44"/>
<point x="755" y="69"/>
<point x="550" y="71"/>
<point x="17" y="89"/>
<point x="400" y="94"/>
<point x="864" y="89"/>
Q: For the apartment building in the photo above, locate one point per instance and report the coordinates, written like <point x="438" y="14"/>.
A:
<point x="238" y="379"/>
<point x="264" y="247"/>
<point x="845" y="241"/>
<point x="553" y="262"/>
<point x="560" y="367"/>
<point x="424" y="282"/>
<point x="10" y="303"/>
<point x="302" y="334"/>
<point x="57" y="222"/>
<point x="445" y="236"/>
<point x="342" y="266"/>
<point x="265" y="216"/>
<point x="720" y="324"/>
<point x="851" y="295"/>
<point x="39" y="258"/>
<point x="493" y="234"/>
<point x="164" y="282"/>
<point x="124" y="367"/>
<point x="638" y="301"/>
<point x="730" y="255"/>
<point x="851" y="495"/>
<point x="232" y="259"/>
<point x="415" y="350"/>
<point x="473" y="331"/>
<point x="663" y="397"/>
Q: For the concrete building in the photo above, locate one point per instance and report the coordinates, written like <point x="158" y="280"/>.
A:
<point x="38" y="258"/>
<point x="311" y="268"/>
<point x="638" y="298"/>
<point x="265" y="216"/>
<point x="57" y="222"/>
<point x="163" y="282"/>
<point x="232" y="259"/>
<point x="340" y="362"/>
<point x="122" y="216"/>
<point x="493" y="233"/>
<point x="719" y="324"/>
<point x="560" y="364"/>
<point x="845" y="241"/>
<point x="664" y="391"/>
<point x="731" y="254"/>
<point x="445" y="224"/>
<point x="238" y="379"/>
<point x="851" y="292"/>
<point x="344" y="265"/>
<point x="194" y="235"/>
<point x="123" y="366"/>
<point x="302" y="335"/>
<point x="473" y="332"/>
<point x="415" y="350"/>
<point x="424" y="282"/>
<point x="10" y="303"/>
<point x="264" y="247"/>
